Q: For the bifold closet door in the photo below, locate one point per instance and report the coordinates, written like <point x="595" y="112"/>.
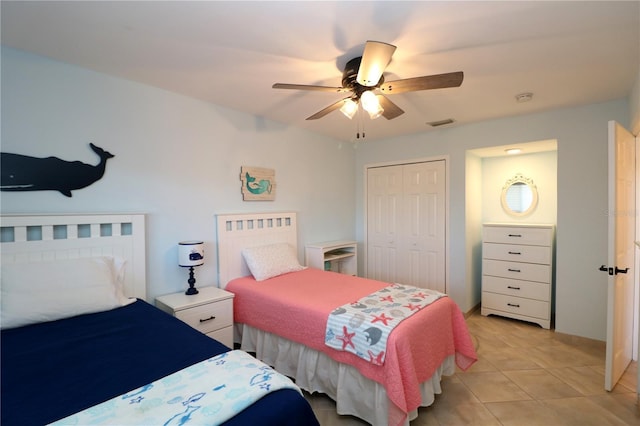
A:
<point x="406" y="224"/>
<point x="384" y="207"/>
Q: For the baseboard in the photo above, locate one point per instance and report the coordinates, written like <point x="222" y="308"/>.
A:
<point x="579" y="340"/>
<point x="472" y="311"/>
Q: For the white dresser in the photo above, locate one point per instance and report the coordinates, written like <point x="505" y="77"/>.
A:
<point x="517" y="270"/>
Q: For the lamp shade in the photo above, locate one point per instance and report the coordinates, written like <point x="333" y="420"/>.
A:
<point x="371" y="104"/>
<point x="190" y="253"/>
<point x="349" y="108"/>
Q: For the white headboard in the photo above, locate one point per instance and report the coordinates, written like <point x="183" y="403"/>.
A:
<point x="237" y="231"/>
<point x="37" y="238"/>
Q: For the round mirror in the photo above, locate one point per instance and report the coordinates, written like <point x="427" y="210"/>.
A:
<point x="519" y="196"/>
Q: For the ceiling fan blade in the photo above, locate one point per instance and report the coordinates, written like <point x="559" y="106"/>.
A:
<point x="375" y="59"/>
<point x="439" y="81"/>
<point x="327" y="110"/>
<point x="391" y="110"/>
<point x="310" y="87"/>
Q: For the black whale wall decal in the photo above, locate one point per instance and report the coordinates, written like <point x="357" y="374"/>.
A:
<point x="24" y="173"/>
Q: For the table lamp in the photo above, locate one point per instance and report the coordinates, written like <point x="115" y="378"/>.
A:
<point x="190" y="254"/>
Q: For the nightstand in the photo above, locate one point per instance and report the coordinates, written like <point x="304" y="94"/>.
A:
<point x="210" y="311"/>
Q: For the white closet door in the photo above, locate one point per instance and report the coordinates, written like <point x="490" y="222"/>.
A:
<point x="406" y="224"/>
<point x="384" y="201"/>
<point x="424" y="225"/>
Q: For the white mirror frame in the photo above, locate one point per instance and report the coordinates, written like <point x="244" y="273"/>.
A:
<point x="519" y="179"/>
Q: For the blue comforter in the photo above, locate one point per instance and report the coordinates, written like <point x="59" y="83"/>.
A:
<point x="52" y="370"/>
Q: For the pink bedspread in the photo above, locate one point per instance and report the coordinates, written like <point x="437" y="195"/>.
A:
<point x="296" y="306"/>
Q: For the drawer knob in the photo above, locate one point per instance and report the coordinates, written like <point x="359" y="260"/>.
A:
<point x="515" y="235"/>
<point x="514" y="252"/>
<point x="207" y="319"/>
<point x="513" y="270"/>
<point x="513" y="288"/>
<point x="513" y="305"/>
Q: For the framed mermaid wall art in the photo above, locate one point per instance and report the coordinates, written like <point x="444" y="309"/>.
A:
<point x="258" y="183"/>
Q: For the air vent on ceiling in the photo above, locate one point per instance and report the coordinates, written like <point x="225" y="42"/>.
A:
<point x="441" y="122"/>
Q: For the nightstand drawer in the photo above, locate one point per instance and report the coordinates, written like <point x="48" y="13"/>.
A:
<point x="224" y="335"/>
<point x="210" y="311"/>
<point x="209" y="317"/>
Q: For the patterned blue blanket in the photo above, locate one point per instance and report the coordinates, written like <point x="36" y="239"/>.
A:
<point x="207" y="393"/>
<point x="362" y="327"/>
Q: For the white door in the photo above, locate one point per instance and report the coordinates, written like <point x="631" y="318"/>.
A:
<point x="406" y="224"/>
<point x="424" y="225"/>
<point x="620" y="297"/>
<point x="384" y="197"/>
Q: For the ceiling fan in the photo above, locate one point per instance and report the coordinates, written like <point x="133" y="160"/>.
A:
<point x="363" y="79"/>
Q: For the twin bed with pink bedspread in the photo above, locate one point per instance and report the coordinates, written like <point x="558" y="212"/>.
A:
<point x="283" y="318"/>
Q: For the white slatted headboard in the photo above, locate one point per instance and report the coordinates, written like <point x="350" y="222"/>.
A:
<point x="237" y="231"/>
<point x="37" y="238"/>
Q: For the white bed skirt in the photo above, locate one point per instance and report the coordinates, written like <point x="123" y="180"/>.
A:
<point x="314" y="371"/>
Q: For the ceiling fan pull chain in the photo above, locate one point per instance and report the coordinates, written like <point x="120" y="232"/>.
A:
<point x="361" y="119"/>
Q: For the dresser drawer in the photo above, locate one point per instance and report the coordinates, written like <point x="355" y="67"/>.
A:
<point x="518" y="288"/>
<point x="537" y="236"/>
<point x="516" y="305"/>
<point x="209" y="317"/>
<point x="517" y="270"/>
<point x="517" y="253"/>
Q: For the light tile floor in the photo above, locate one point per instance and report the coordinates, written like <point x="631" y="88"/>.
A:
<point x="525" y="375"/>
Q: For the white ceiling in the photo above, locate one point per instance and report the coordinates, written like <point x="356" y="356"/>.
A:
<point x="231" y="52"/>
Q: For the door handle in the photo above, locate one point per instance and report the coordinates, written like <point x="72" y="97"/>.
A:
<point x="613" y="271"/>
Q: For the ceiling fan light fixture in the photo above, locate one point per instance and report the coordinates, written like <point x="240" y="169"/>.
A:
<point x="371" y="104"/>
<point x="364" y="74"/>
<point x="377" y="113"/>
<point x="349" y="108"/>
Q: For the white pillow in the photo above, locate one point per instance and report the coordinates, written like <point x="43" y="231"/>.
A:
<point x="120" y="269"/>
<point x="271" y="260"/>
<point x="47" y="291"/>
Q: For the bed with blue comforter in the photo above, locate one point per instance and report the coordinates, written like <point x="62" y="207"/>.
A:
<point x="55" y="369"/>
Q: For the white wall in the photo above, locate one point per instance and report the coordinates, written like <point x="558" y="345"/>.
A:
<point x="176" y="159"/>
<point x="473" y="230"/>
<point x="581" y="235"/>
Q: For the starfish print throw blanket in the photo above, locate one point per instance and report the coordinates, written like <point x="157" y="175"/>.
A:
<point x="362" y="327"/>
